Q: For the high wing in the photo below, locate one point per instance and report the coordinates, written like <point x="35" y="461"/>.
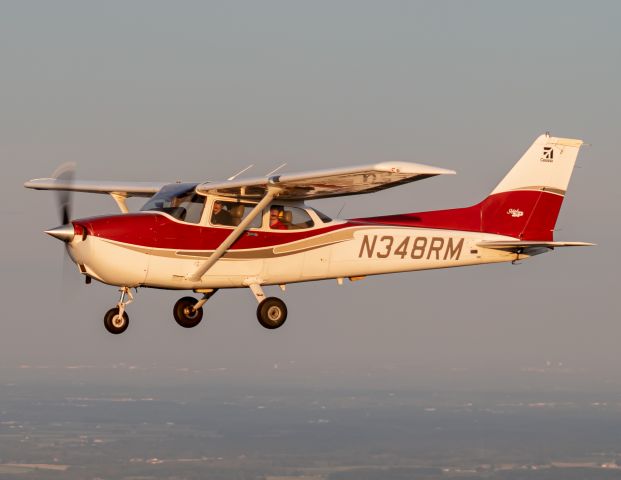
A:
<point x="326" y="183"/>
<point x="126" y="189"/>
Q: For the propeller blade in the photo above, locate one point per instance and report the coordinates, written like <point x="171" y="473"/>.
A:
<point x="65" y="173"/>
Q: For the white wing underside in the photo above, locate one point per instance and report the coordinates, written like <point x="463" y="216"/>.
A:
<point x="127" y="189"/>
<point x="326" y="183"/>
<point x="298" y="186"/>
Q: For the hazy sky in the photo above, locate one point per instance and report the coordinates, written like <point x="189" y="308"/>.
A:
<point x="197" y="90"/>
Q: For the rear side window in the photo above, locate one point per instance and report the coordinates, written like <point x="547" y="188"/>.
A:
<point x="322" y="216"/>
<point x="283" y="217"/>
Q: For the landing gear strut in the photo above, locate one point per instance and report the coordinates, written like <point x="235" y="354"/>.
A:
<point x="188" y="311"/>
<point x="116" y="320"/>
<point x="272" y="311"/>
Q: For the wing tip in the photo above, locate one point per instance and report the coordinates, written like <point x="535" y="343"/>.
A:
<point x="36" y="182"/>
<point x="412" y="168"/>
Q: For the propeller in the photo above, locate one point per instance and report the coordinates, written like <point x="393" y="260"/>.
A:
<point x="64" y="175"/>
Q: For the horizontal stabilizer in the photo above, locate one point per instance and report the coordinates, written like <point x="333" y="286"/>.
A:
<point x="529" y="247"/>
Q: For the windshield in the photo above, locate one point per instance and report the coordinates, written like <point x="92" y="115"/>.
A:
<point x="179" y="201"/>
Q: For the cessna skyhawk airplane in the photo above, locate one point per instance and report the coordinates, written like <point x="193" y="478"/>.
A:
<point x="259" y="231"/>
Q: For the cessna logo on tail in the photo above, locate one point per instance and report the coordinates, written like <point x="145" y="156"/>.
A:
<point x="548" y="154"/>
<point x="515" y="213"/>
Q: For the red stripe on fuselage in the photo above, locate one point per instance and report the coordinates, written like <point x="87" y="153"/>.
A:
<point x="157" y="230"/>
<point x="498" y="213"/>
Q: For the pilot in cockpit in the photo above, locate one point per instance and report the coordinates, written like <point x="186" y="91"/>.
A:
<point x="219" y="215"/>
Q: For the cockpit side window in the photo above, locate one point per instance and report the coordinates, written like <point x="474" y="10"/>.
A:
<point x="231" y="214"/>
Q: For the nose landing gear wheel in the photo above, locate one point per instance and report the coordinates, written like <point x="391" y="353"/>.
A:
<point x="185" y="315"/>
<point x="114" y="322"/>
<point x="272" y="313"/>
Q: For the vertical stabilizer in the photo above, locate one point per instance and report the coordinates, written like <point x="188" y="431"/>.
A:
<point x="526" y="203"/>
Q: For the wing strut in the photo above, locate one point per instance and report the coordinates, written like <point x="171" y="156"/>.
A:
<point x="120" y="199"/>
<point x="272" y="193"/>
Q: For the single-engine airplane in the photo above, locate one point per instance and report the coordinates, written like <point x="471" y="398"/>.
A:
<point x="259" y="231"/>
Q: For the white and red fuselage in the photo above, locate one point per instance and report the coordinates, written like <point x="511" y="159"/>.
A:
<point x="154" y="249"/>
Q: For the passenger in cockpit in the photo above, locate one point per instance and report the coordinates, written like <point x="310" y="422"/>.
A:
<point x="276" y="215"/>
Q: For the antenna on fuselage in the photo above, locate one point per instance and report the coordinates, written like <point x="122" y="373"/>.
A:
<point x="240" y="172"/>
<point x="276" y="169"/>
<point x="342" y="207"/>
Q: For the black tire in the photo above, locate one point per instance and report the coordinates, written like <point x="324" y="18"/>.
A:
<point x="272" y="313"/>
<point x="114" y="323"/>
<point x="184" y="315"/>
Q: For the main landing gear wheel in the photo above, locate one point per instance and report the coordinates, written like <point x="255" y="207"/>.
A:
<point x="185" y="315"/>
<point x="114" y="322"/>
<point x="272" y="313"/>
